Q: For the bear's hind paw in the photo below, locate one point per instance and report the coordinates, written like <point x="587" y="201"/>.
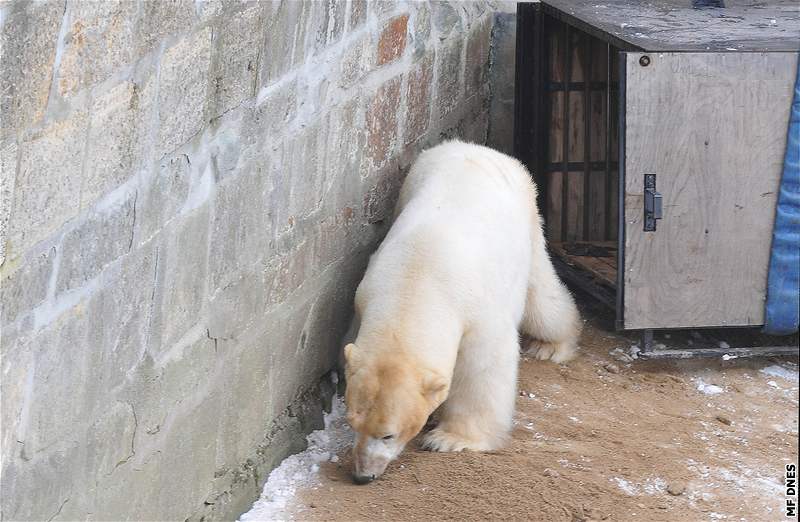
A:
<point x="444" y="441"/>
<point x="557" y="352"/>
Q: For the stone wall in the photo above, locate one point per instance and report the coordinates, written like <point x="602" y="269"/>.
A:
<point x="190" y="191"/>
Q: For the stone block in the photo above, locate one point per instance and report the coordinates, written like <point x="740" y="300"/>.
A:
<point x="113" y="498"/>
<point x="209" y="11"/>
<point x="418" y="96"/>
<point x="8" y="177"/>
<point x="237" y="55"/>
<point x="449" y="84"/>
<point x="116" y="139"/>
<point x="239" y="303"/>
<point x="331" y="311"/>
<point x="241" y="226"/>
<point x="158" y="20"/>
<point x="379" y="200"/>
<point x="103" y="237"/>
<point x="26" y="287"/>
<point x="159" y="391"/>
<point x="299" y="179"/>
<point x="44" y="489"/>
<point x="28" y="38"/>
<point x="184" y="85"/>
<point x="358" y="13"/>
<point x="16" y="365"/>
<point x="356" y="62"/>
<point x="327" y="23"/>
<point x="392" y="41"/>
<point x="99" y="40"/>
<point x="382" y="114"/>
<point x="193" y="433"/>
<point x="473" y="11"/>
<point x="58" y="404"/>
<point x="473" y="127"/>
<point x="220" y="154"/>
<point x="446" y="18"/>
<point x="257" y="378"/>
<point x="162" y="198"/>
<point x="111" y="441"/>
<point x="422" y="29"/>
<point x="285" y="437"/>
<point x="286" y="29"/>
<point x="118" y="322"/>
<point x="383" y="9"/>
<point x="47" y="189"/>
<point x="345" y="145"/>
<point x="477" y="59"/>
<point x="186" y="377"/>
<point x="174" y="444"/>
<point x="270" y="117"/>
<point x="183" y="261"/>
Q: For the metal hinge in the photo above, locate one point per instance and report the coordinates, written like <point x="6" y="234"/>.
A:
<point x="653" y="208"/>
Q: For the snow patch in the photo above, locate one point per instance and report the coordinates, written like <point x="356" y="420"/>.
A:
<point x="626" y="486"/>
<point x="302" y="470"/>
<point x="651" y="486"/>
<point x="781" y="372"/>
<point x="707" y="389"/>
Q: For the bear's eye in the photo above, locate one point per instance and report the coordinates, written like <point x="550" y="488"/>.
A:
<point x="388" y="437"/>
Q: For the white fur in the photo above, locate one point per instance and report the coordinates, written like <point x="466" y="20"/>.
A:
<point x="463" y="268"/>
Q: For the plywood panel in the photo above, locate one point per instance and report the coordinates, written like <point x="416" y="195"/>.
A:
<point x="574" y="206"/>
<point x="556" y="136"/>
<point x="597" y="210"/>
<point x="576" y="127"/>
<point x="555" y="41"/>
<point x="553" y="219"/>
<point x="712" y="127"/>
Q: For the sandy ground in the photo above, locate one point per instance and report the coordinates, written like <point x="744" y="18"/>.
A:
<point x="600" y="439"/>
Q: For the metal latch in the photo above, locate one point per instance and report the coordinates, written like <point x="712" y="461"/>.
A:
<point x="653" y="207"/>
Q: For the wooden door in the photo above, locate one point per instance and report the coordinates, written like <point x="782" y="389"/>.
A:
<point x="712" y="128"/>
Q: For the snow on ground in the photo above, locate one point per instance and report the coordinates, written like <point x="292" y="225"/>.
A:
<point x="707" y="389"/>
<point x="651" y="486"/>
<point x="301" y="471"/>
<point x="781" y="372"/>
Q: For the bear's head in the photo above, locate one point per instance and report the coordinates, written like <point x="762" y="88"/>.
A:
<point x="389" y="399"/>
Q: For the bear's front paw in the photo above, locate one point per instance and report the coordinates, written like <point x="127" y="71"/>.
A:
<point x="440" y="439"/>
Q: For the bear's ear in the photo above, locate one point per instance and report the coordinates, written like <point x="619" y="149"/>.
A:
<point x="435" y="388"/>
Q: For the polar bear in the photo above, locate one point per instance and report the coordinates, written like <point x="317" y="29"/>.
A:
<point x="462" y="270"/>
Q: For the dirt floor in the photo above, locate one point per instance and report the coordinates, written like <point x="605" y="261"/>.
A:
<point x="601" y="439"/>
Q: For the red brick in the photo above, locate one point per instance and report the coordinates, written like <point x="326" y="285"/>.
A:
<point x="382" y="121"/>
<point x="393" y="40"/>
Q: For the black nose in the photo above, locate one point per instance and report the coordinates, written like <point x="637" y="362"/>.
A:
<point x="363" y="479"/>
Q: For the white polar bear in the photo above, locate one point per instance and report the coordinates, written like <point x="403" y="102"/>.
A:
<point x="461" y="271"/>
